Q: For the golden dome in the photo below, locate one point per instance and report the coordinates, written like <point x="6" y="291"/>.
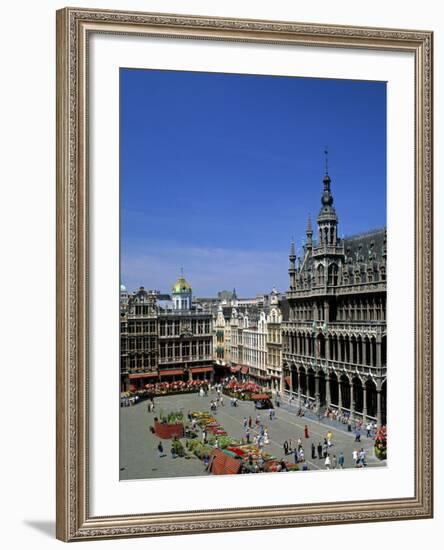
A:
<point x="181" y="285"/>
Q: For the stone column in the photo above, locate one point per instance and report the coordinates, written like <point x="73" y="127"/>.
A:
<point x="378" y="351"/>
<point x="378" y="408"/>
<point x="299" y="386"/>
<point x="327" y="390"/>
<point x="371" y="353"/>
<point x="326" y="311"/>
<point x="364" y="403"/>
<point x="317" y="394"/>
<point x="352" y="400"/>
<point x="364" y="352"/>
<point x="350" y="350"/>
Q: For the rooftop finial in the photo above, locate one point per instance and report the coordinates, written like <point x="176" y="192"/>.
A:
<point x="326" y="160"/>
<point x="181" y="271"/>
<point x="309" y="228"/>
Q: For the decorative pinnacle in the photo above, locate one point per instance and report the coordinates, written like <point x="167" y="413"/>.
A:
<point x="309" y="228"/>
<point x="292" y="249"/>
<point x="326" y="160"/>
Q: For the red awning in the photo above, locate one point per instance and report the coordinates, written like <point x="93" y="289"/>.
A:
<point x="260" y="396"/>
<point x="288" y="380"/>
<point x="171" y="372"/>
<point x="201" y="369"/>
<point x="235" y="368"/>
<point x="143" y="375"/>
<point x="244" y="370"/>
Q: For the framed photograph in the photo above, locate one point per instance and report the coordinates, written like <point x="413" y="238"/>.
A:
<point x="244" y="274"/>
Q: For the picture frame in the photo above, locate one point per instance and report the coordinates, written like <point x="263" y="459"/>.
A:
<point x="75" y="27"/>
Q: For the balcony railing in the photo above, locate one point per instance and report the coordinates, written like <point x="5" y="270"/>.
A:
<point x="185" y="359"/>
<point x="351" y="288"/>
<point x="357" y="326"/>
<point x="310" y="361"/>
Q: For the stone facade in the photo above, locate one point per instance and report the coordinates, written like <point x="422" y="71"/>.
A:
<point x="335" y="337"/>
<point x="164" y="344"/>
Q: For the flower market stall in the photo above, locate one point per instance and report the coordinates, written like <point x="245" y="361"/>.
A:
<point x="169" y="426"/>
<point x="244" y="390"/>
<point x="381" y="443"/>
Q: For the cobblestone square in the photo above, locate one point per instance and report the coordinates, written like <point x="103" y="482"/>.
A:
<point x="139" y="458"/>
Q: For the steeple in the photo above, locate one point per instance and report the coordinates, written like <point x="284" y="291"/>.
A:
<point x="327" y="218"/>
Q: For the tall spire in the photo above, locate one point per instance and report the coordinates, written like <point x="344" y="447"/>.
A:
<point x="292" y="249"/>
<point x="309" y="232"/>
<point x="309" y="229"/>
<point x="327" y="218"/>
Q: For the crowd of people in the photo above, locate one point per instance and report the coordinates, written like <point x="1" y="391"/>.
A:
<point x="255" y="431"/>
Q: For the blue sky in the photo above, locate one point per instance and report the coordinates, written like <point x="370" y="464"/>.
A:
<point x="219" y="171"/>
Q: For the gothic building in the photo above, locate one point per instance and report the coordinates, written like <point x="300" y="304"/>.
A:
<point x="334" y="339"/>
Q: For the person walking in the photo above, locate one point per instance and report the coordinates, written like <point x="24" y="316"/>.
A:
<point x="306" y="434"/>
<point x="341" y="461"/>
<point x="285" y="445"/>
<point x="327" y="462"/>
<point x="313" y="451"/>
<point x="324" y="450"/>
<point x="301" y="455"/>
<point x="355" y="457"/>
<point x="250" y="422"/>
<point x="245" y="422"/>
<point x="329" y="438"/>
<point x="334" y="462"/>
<point x="160" y="450"/>
<point x="319" y="450"/>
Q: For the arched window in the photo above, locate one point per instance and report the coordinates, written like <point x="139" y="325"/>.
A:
<point x="320" y="273"/>
<point x="333" y="275"/>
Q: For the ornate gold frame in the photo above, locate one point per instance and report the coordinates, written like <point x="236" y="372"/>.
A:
<point x="73" y="519"/>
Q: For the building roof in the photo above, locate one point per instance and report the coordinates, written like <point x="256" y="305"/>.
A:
<point x="181" y="285"/>
<point x="363" y="247"/>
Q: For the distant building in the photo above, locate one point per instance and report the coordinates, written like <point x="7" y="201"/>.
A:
<point x="274" y="344"/>
<point x="255" y="341"/>
<point x="165" y="344"/>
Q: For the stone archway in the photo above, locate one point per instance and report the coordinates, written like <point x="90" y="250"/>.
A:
<point x="334" y="389"/>
<point x="370" y="387"/>
<point x="384" y="403"/>
<point x="303" y="382"/>
<point x="358" y="395"/>
<point x="322" y="387"/>
<point x="311" y="385"/>
<point x="345" y="391"/>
